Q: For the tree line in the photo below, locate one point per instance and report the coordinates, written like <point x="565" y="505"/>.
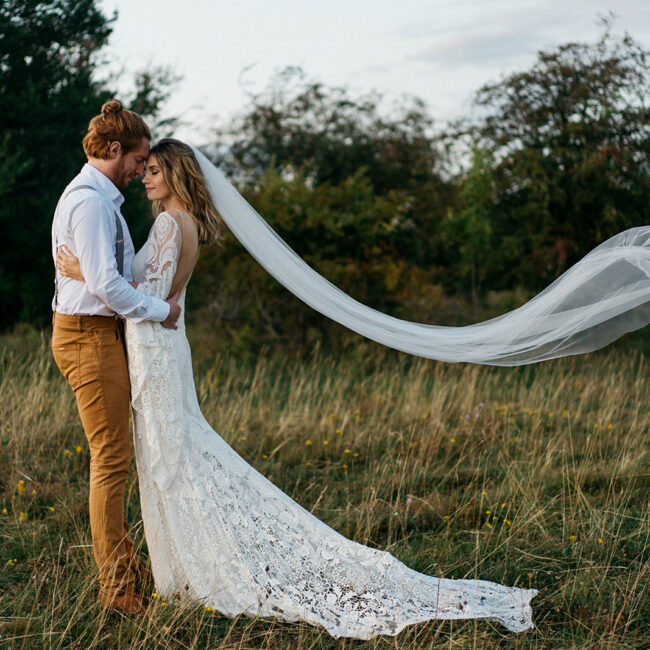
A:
<point x="402" y="215"/>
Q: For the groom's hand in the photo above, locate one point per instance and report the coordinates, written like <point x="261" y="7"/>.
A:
<point x="174" y="312"/>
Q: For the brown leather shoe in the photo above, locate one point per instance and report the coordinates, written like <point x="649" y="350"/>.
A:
<point x="129" y="603"/>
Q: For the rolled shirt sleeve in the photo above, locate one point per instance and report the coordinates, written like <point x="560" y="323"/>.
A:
<point x="93" y="231"/>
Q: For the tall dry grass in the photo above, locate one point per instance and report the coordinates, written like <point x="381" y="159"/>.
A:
<point x="534" y="476"/>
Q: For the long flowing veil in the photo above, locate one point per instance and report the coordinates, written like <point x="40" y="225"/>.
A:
<point x="602" y="297"/>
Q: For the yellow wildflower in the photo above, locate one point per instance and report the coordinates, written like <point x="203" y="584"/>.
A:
<point x="5" y="511"/>
<point x="67" y="452"/>
<point x="308" y="442"/>
<point x="23" y="516"/>
<point x="355" y="455"/>
<point x="20" y="488"/>
<point x="347" y="451"/>
<point x="339" y="432"/>
<point x="326" y="442"/>
<point x="265" y="456"/>
<point x="600" y="541"/>
<point x="610" y="426"/>
<point x="50" y="508"/>
<point x="154" y="595"/>
<point x="345" y="466"/>
<point x="78" y="449"/>
<point x="488" y="512"/>
<point x="572" y="538"/>
<point x="489" y="525"/>
<point x="508" y="522"/>
<point x="452" y="440"/>
<point x="308" y="464"/>
<point x="503" y="505"/>
<point x="34" y="492"/>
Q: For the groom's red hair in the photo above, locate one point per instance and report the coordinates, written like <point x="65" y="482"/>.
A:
<point x="114" y="124"/>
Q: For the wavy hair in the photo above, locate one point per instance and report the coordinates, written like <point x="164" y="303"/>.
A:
<point x="182" y="174"/>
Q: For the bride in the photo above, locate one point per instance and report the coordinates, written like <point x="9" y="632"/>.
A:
<point x="218" y="532"/>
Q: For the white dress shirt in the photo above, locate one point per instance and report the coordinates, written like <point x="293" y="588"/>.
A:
<point x="85" y="222"/>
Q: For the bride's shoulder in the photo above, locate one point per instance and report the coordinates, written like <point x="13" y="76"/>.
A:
<point x="166" y="226"/>
<point x="181" y="217"/>
<point x="184" y="220"/>
<point x="168" y="220"/>
<point x="169" y="216"/>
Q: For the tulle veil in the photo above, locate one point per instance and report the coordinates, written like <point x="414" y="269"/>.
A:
<point x="602" y="297"/>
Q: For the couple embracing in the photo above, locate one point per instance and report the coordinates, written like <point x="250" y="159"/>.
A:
<point x="218" y="532"/>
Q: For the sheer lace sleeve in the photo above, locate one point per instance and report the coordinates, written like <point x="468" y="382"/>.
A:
<point x="163" y="248"/>
<point x="153" y="360"/>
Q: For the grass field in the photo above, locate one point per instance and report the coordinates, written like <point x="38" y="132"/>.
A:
<point x="536" y="477"/>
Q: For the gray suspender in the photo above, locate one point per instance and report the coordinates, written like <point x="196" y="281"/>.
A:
<point x="119" y="241"/>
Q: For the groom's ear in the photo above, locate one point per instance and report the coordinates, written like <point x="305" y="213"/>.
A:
<point x="114" y="150"/>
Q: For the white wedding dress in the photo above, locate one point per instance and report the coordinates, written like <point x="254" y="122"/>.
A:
<point x="221" y="534"/>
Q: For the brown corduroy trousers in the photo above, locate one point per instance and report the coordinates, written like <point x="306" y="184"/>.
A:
<point x="89" y="351"/>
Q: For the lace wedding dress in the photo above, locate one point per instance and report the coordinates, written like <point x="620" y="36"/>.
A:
<point x="221" y="534"/>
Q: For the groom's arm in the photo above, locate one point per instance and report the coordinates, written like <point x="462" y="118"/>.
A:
<point x="93" y="231"/>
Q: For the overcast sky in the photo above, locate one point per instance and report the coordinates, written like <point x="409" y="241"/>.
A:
<point x="441" y="51"/>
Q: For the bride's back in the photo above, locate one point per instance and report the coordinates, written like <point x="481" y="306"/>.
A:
<point x="189" y="249"/>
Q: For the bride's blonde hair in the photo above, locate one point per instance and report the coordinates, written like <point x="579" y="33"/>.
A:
<point x="182" y="174"/>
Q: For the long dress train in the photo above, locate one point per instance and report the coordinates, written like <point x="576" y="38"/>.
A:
<point x="220" y="533"/>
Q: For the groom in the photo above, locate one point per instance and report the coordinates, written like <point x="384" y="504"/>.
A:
<point x="87" y="337"/>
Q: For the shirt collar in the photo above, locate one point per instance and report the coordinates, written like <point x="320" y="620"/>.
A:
<point x="104" y="184"/>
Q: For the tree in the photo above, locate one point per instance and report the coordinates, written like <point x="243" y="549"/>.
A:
<point x="571" y="142"/>
<point x="354" y="193"/>
<point x="48" y="52"/>
<point x="346" y="232"/>
<point x="49" y="56"/>
<point x="298" y="125"/>
<point x="468" y="230"/>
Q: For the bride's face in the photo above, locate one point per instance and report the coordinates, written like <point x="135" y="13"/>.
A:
<point x="154" y="183"/>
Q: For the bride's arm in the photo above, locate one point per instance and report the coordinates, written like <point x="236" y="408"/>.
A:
<point x="163" y="249"/>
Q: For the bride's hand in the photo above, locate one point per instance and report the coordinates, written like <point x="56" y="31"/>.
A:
<point x="68" y="264"/>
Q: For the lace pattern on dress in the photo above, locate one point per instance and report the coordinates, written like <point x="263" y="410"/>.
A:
<point x="152" y="362"/>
